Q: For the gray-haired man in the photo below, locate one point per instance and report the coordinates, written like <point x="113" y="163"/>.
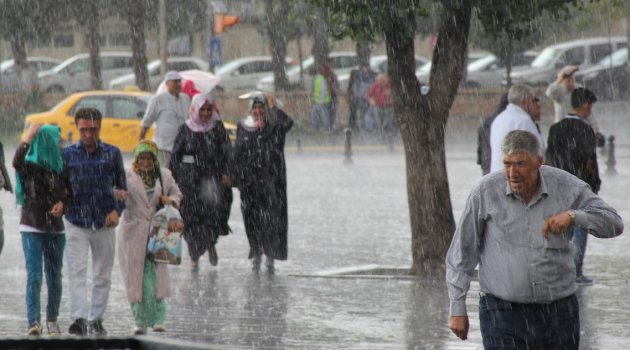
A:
<point x="515" y="227"/>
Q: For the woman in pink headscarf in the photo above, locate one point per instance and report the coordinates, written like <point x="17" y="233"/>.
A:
<point x="199" y="163"/>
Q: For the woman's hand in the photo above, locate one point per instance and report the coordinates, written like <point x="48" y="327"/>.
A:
<point x="57" y="209"/>
<point x="166" y="200"/>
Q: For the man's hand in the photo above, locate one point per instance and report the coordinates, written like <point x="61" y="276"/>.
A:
<point x="459" y="326"/>
<point x="57" y="209"/>
<point x="556" y="224"/>
<point x="112" y="219"/>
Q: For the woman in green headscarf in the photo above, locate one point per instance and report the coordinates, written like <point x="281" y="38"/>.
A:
<point x="147" y="283"/>
<point x="40" y="190"/>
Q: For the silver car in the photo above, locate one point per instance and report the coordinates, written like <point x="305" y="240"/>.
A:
<point x="73" y="74"/>
<point x="155" y="77"/>
<point x="342" y="63"/>
<point x="9" y="78"/>
<point x="243" y="73"/>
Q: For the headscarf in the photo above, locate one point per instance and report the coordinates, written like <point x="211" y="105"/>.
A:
<point x="43" y="152"/>
<point x="250" y="122"/>
<point x="189" y="88"/>
<point x="148" y="177"/>
<point x="194" y="123"/>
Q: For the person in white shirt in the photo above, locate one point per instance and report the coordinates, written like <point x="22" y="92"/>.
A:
<point x="168" y="110"/>
<point x="516" y="116"/>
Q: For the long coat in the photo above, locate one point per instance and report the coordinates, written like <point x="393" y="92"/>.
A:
<point x="260" y="174"/>
<point x="198" y="161"/>
<point x="133" y="234"/>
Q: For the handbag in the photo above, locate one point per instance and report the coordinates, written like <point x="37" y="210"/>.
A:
<point x="165" y="236"/>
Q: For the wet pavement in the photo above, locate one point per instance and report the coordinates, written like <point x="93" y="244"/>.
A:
<point x="343" y="217"/>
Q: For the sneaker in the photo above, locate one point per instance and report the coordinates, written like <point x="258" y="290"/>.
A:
<point x="212" y="256"/>
<point x="53" y="328"/>
<point x="34" y="330"/>
<point x="97" y="329"/>
<point x="139" y="330"/>
<point x="78" y="327"/>
<point x="583" y="280"/>
<point x="159" y="328"/>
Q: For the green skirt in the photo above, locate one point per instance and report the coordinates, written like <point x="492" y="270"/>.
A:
<point x="150" y="311"/>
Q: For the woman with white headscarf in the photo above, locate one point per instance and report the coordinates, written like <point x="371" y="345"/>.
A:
<point x="260" y="174"/>
<point x="199" y="162"/>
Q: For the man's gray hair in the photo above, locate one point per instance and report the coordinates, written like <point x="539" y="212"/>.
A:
<point x="520" y="141"/>
<point x="518" y="93"/>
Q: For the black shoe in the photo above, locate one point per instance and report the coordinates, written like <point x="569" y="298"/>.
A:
<point x="78" y="327"/>
<point x="97" y="329"/>
<point x="212" y="256"/>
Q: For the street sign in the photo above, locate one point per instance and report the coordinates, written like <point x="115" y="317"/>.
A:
<point x="216" y="54"/>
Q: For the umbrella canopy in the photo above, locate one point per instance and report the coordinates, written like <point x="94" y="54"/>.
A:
<point x="204" y="81"/>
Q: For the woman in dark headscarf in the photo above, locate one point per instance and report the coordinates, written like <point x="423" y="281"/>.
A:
<point x="147" y="283"/>
<point x="199" y="162"/>
<point x="261" y="179"/>
<point x="40" y="190"/>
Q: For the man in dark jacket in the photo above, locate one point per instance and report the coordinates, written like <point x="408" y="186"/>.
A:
<point x="572" y="147"/>
<point x="484" y="153"/>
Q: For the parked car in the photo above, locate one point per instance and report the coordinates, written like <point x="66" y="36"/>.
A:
<point x="583" y="53"/>
<point x="488" y="71"/>
<point x="73" y="74"/>
<point x="122" y="113"/>
<point x="378" y="64"/>
<point x="422" y="73"/>
<point x="609" y="78"/>
<point x="8" y="79"/>
<point x="155" y="78"/>
<point x="342" y="62"/>
<point x="244" y="73"/>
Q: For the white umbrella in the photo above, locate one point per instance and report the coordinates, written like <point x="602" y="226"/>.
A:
<point x="204" y="81"/>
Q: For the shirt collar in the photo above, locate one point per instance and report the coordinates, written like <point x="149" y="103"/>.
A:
<point x="572" y="116"/>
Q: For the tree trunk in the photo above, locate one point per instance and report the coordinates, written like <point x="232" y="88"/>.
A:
<point x="363" y="51"/>
<point x="321" y="49"/>
<point x="277" y="43"/>
<point x="422" y="121"/>
<point x="138" y="49"/>
<point x="93" y="44"/>
<point x="18" y="48"/>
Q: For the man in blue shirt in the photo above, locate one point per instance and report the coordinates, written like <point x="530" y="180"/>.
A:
<point x="96" y="184"/>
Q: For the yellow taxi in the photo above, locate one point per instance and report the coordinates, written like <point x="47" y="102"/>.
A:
<point x="122" y="113"/>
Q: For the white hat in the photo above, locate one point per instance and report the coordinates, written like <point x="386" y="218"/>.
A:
<point x="172" y="75"/>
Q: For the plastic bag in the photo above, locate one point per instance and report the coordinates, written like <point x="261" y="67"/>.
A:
<point x="165" y="239"/>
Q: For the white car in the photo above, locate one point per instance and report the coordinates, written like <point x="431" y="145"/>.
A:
<point x="73" y="74"/>
<point x="9" y="81"/>
<point x="243" y="73"/>
<point x="155" y="78"/>
<point x="342" y="63"/>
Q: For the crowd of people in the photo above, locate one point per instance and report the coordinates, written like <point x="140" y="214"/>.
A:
<point x="80" y="201"/>
<point x="526" y="222"/>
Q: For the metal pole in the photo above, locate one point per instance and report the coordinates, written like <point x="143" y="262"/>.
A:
<point x="611" y="162"/>
<point x="348" y="147"/>
<point x="299" y="145"/>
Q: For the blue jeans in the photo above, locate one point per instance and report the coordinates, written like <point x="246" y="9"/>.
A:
<point x="50" y="247"/>
<point x="320" y="116"/>
<point x="578" y="238"/>
<point x="509" y="325"/>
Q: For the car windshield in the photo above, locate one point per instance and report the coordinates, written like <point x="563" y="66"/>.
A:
<point x="481" y="63"/>
<point x="615" y="59"/>
<point x="228" y="67"/>
<point x="544" y="58"/>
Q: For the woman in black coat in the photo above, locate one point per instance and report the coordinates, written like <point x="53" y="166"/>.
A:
<point x="199" y="163"/>
<point x="260" y="174"/>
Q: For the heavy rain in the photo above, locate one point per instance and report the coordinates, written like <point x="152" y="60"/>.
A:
<point x="316" y="159"/>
